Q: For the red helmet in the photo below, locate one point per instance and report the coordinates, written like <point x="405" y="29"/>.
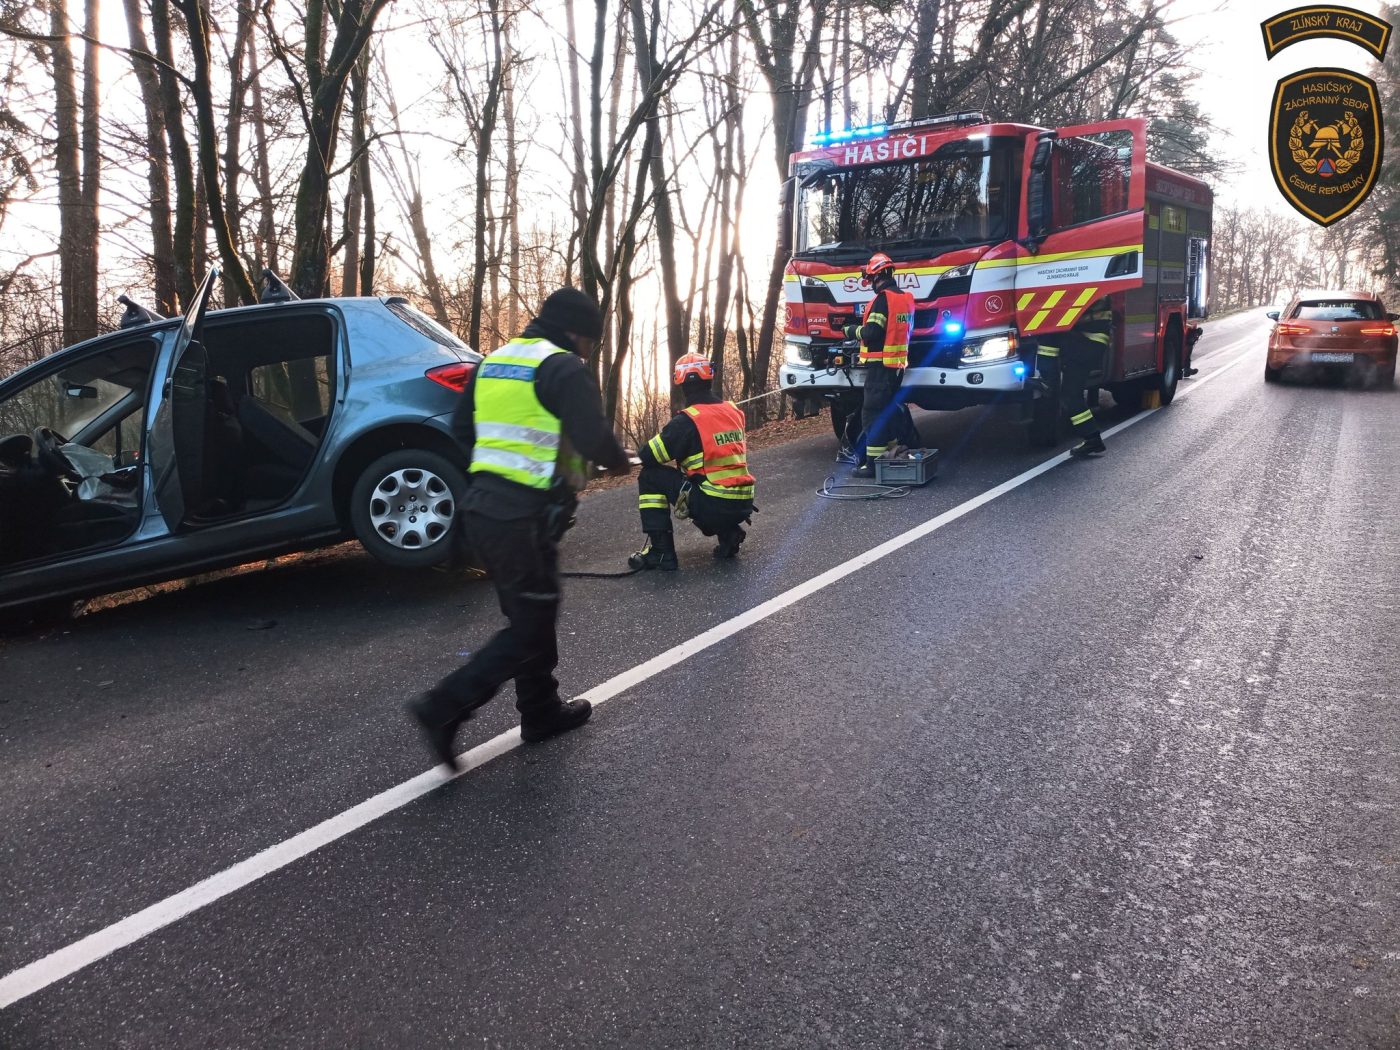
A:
<point x="693" y="366"/>
<point x="879" y="263"/>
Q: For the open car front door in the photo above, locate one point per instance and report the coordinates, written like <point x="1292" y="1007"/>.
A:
<point x="1082" y="220"/>
<point x="177" y="438"/>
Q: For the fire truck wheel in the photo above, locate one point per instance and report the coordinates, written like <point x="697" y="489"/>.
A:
<point x="1171" y="366"/>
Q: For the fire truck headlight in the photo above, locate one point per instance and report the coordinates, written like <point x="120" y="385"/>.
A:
<point x="997" y="348"/>
<point x="798" y="353"/>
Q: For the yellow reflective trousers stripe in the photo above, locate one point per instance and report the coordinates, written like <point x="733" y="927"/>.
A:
<point x="1083" y="417"/>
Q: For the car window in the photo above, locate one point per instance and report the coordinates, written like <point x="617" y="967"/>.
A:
<point x="71" y="400"/>
<point x="1339" y="310"/>
<point x="121" y="441"/>
<point x="423" y="324"/>
<point x="300" y="388"/>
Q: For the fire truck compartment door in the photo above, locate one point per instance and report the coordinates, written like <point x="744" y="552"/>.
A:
<point x="1089" y="195"/>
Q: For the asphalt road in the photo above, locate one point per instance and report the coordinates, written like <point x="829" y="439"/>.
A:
<point x="1107" y="761"/>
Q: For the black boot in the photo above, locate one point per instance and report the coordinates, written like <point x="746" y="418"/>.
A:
<point x="1091" y="446"/>
<point x="865" y="470"/>
<point x="568" y="715"/>
<point x="437" y="732"/>
<point x="658" y="553"/>
<point x="729" y="541"/>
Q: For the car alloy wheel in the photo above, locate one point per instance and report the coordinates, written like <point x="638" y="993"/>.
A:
<point x="411" y="508"/>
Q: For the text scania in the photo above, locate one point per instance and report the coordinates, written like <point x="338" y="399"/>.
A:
<point x="887" y="149"/>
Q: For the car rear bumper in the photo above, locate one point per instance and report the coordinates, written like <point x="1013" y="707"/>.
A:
<point x="1291" y="357"/>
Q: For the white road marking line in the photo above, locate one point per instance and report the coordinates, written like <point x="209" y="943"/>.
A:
<point x="68" y="960"/>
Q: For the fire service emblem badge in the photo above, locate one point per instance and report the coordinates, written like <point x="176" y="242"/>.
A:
<point x="1325" y="141"/>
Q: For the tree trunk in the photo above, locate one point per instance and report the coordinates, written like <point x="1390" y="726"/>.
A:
<point x="266" y="254"/>
<point x="354" y="192"/>
<point x="677" y="336"/>
<point x="489" y="110"/>
<point x="235" y="276"/>
<point x="158" y="164"/>
<point x="512" y="204"/>
<point x="233" y="127"/>
<point x="580" y="180"/>
<point x="181" y="160"/>
<point x="85" y="317"/>
<point x="327" y="77"/>
<point x="70" y="183"/>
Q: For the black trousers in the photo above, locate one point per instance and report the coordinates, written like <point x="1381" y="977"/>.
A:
<point x="524" y="565"/>
<point x="710" y="515"/>
<point x="879" y="409"/>
<point x="1070" y="371"/>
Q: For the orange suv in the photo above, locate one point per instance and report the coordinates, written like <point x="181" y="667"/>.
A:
<point x="1346" y="330"/>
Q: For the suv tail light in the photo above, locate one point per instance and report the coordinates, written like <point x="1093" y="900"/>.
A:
<point x="1378" y="329"/>
<point x="454" y="376"/>
<point x="1293" y="329"/>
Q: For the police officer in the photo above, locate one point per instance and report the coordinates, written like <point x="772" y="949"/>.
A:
<point x="529" y="418"/>
<point x="1070" y="358"/>
<point x="713" y="486"/>
<point x="884" y="340"/>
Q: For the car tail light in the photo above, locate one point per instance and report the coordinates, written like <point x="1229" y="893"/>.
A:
<point x="1293" y="329"/>
<point x="454" y="377"/>
<point x="1378" y="329"/>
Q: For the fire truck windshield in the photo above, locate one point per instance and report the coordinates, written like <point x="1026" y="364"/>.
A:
<point x="958" y="196"/>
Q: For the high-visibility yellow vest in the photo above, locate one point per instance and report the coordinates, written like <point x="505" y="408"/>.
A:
<point x="517" y="438"/>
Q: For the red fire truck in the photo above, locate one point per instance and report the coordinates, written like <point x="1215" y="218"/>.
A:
<point x="1005" y="233"/>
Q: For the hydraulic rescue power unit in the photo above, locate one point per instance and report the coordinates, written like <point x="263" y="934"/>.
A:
<point x="1005" y="234"/>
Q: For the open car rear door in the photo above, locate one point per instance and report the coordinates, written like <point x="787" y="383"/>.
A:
<point x="177" y="438"/>
<point x="1083" y="220"/>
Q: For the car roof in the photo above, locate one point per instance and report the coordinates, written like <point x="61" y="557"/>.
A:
<point x="167" y="323"/>
<point x="1336" y="294"/>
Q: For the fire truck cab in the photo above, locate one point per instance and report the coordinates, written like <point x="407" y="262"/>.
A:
<point x="1005" y="233"/>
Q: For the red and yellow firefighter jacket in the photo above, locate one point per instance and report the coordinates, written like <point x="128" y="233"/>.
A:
<point x="707" y="442"/>
<point x="889" y="321"/>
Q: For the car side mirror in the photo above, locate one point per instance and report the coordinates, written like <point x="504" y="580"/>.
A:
<point x="1393" y="317"/>
<point x="1272" y="315"/>
<point x="86" y="392"/>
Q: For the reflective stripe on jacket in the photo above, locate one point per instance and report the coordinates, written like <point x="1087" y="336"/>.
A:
<point x="517" y="438"/>
<point x="1095" y="327"/>
<point x="898" y="325"/>
<point x="723" y="461"/>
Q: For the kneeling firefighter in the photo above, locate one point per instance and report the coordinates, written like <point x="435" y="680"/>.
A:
<point x="713" y="487"/>
<point x="1070" y="358"/>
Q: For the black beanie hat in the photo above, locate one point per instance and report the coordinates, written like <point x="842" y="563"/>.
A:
<point x="570" y="310"/>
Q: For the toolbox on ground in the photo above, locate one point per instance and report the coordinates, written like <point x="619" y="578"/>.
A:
<point x="907" y="466"/>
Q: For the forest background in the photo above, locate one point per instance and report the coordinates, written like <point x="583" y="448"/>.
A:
<point x="474" y="154"/>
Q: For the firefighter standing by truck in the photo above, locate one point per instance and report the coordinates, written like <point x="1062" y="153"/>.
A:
<point x="713" y="487"/>
<point x="884" y="347"/>
<point x="1070" y="358"/>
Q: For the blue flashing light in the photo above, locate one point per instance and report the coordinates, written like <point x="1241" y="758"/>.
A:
<point x="831" y="138"/>
<point x="953" y="327"/>
<point x="1019" y="371"/>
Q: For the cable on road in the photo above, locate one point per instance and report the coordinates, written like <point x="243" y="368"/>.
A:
<point x="600" y="575"/>
<point x="847" y="490"/>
